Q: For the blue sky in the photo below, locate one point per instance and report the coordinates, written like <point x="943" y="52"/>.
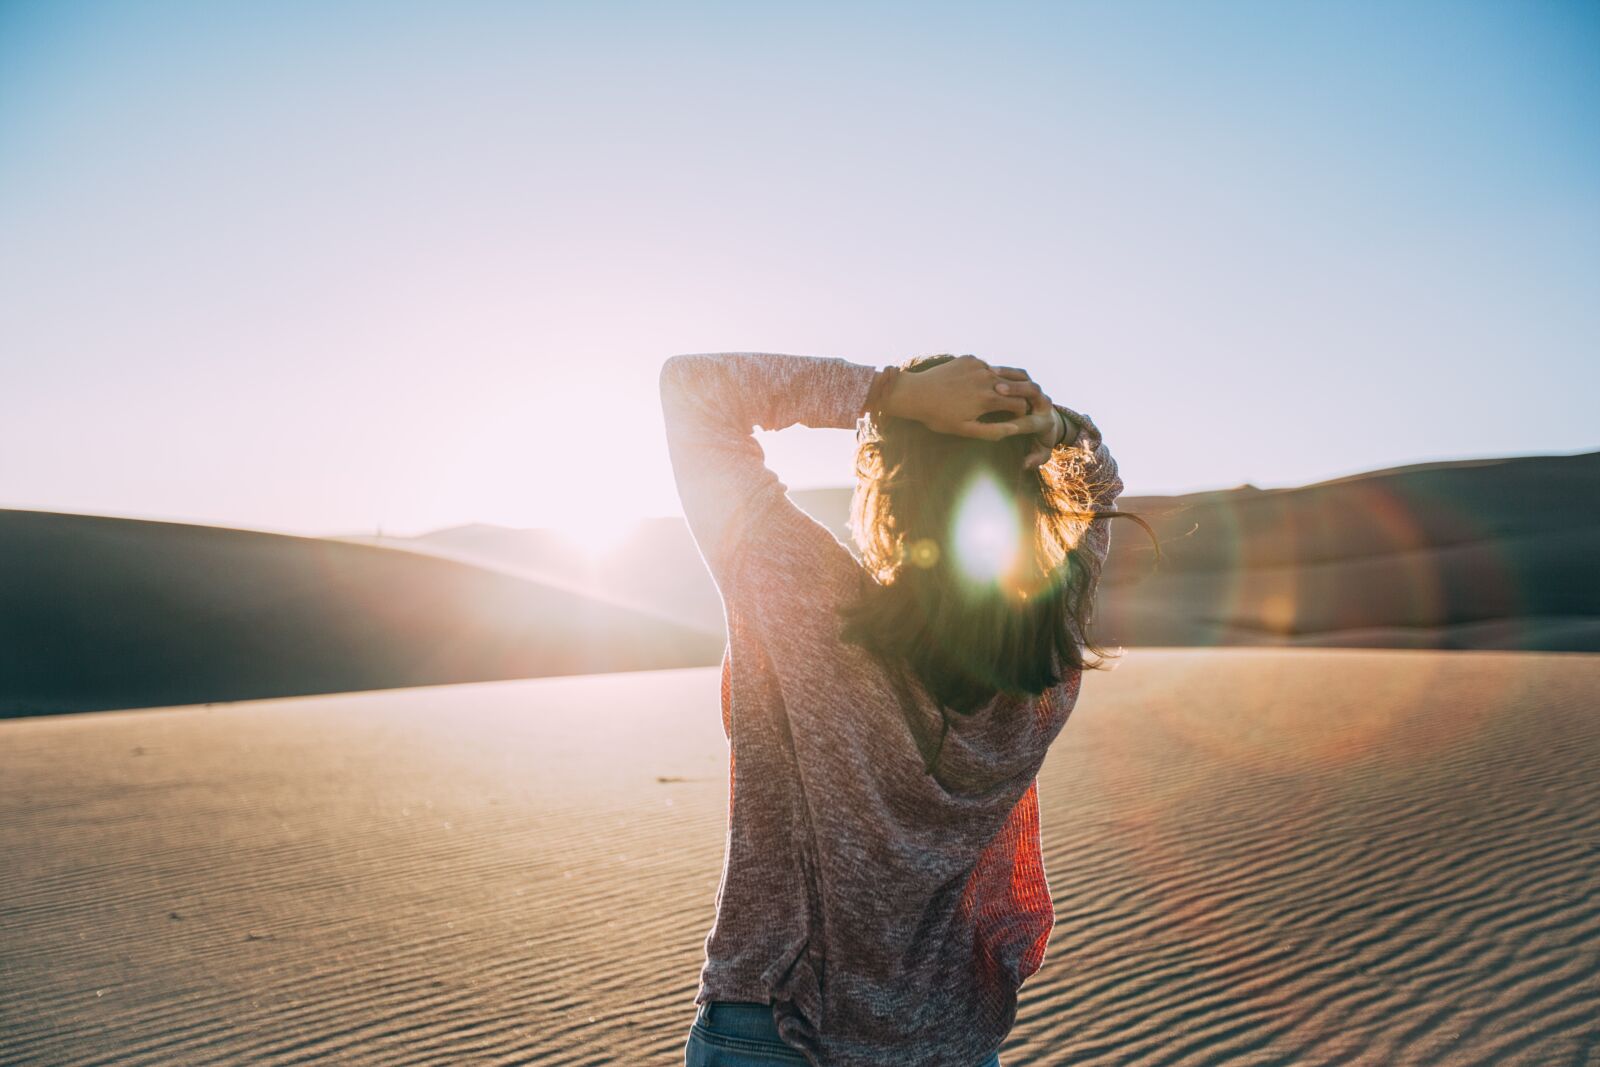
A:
<point x="324" y="267"/>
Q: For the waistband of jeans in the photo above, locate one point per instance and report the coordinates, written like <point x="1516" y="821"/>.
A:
<point x="738" y="1018"/>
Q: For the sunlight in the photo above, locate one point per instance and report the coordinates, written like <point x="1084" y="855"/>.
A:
<point x="596" y="533"/>
<point x="988" y="533"/>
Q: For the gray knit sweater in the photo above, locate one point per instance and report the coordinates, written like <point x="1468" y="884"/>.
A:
<point x="888" y="919"/>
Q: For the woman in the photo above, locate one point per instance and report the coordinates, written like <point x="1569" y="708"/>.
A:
<point x="882" y="894"/>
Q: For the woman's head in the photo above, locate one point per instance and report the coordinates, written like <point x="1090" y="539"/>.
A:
<point x="982" y="581"/>
<point x="928" y="499"/>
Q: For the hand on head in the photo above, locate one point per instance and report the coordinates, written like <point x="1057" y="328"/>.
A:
<point x="951" y="397"/>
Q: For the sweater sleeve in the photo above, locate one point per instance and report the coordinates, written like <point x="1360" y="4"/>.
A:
<point x="710" y="404"/>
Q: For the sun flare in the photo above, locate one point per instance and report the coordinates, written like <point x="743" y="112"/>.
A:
<point x="597" y="534"/>
<point x="988" y="531"/>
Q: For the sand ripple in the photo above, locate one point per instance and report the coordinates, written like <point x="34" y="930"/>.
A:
<point x="1258" y="856"/>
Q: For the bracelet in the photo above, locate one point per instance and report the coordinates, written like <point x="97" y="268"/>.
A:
<point x="1070" y="429"/>
<point x="882" y="385"/>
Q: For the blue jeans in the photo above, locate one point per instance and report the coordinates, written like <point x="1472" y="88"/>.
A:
<point x="739" y="1033"/>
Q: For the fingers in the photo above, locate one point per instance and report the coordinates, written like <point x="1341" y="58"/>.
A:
<point x="1011" y="372"/>
<point x="989" y="431"/>
<point x="998" y="431"/>
<point x="1021" y="388"/>
<point x="1043" y="422"/>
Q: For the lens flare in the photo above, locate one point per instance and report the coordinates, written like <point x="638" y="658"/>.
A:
<point x="923" y="552"/>
<point x="987" y="535"/>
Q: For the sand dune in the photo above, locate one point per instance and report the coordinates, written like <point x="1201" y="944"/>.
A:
<point x="1488" y="554"/>
<point x="1277" y="856"/>
<point x="102" y="612"/>
<point x="1470" y="554"/>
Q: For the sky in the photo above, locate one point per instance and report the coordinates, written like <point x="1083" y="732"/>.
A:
<point x="335" y="268"/>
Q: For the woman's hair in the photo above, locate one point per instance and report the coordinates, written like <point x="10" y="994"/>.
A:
<point x="963" y="596"/>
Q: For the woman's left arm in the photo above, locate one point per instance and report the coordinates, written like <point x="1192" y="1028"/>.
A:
<point x="711" y="402"/>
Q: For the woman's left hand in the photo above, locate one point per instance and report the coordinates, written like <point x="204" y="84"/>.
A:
<point x="951" y="397"/>
<point x="1016" y="383"/>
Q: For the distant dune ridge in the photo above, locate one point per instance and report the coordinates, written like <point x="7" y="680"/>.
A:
<point x="1363" y="858"/>
<point x="102" y="613"/>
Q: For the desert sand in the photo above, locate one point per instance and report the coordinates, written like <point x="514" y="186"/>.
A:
<point x="1258" y="856"/>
